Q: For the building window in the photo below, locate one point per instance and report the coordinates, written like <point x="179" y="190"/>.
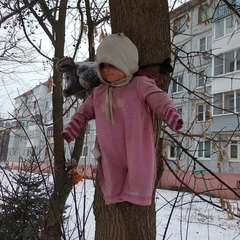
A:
<point x="180" y="52"/>
<point x="84" y="151"/>
<point x="177" y="84"/>
<point x="225" y="26"/>
<point x="68" y="114"/>
<point x="219" y="29"/>
<point x="237" y="52"/>
<point x="234" y="150"/>
<point x="230" y="25"/>
<point x="203" y="112"/>
<point x="237" y="96"/>
<point x="218" y="103"/>
<point x="205" y="13"/>
<point x="47" y="104"/>
<point x="174" y="152"/>
<point x="227" y="102"/>
<point x="205" y="43"/>
<point x="222" y="10"/>
<point x="218" y="65"/>
<point x="204" y="77"/>
<point x="227" y="62"/>
<point x="204" y="149"/>
<point x="45" y="119"/>
<point x="179" y="24"/>
<point x="50" y="132"/>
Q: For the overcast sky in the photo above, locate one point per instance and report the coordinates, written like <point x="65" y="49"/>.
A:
<point x="18" y="78"/>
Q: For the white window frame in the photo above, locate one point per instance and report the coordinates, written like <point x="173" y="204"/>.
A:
<point x="204" y="77"/>
<point x="235" y="144"/>
<point x="176" y="88"/>
<point x="181" y="52"/>
<point x="223" y="105"/>
<point x="205" y="13"/>
<point x="201" y="153"/>
<point x="179" y="24"/>
<point x="177" y="151"/>
<point x="205" y="112"/>
<point x="219" y="66"/>
<point x="46" y="104"/>
<point x="223" y="62"/>
<point x="224" y="27"/>
<point x="50" y="132"/>
<point x="207" y="45"/>
<point x="218" y="103"/>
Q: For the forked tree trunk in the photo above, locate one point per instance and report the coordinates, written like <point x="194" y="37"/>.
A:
<point x="146" y="23"/>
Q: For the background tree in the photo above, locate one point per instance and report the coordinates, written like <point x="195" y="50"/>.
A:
<point x="26" y="201"/>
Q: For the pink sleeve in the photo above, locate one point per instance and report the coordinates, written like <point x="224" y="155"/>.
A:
<point x="159" y="102"/>
<point x="173" y="119"/>
<point x="84" y="113"/>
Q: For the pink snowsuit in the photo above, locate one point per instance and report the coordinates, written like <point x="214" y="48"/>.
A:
<point x="127" y="166"/>
<point x="123" y="113"/>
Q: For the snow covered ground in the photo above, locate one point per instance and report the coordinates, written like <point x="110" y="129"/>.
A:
<point x="191" y="218"/>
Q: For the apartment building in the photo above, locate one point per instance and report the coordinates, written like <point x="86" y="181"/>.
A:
<point x="206" y="85"/>
<point x="32" y="112"/>
<point x="32" y="129"/>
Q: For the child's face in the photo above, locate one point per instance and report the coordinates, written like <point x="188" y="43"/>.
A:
<point x="111" y="73"/>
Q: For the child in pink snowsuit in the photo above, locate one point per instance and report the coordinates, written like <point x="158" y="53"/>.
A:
<point x="122" y="108"/>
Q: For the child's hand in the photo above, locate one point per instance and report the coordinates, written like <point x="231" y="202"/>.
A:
<point x="66" y="137"/>
<point x="173" y="119"/>
<point x="179" y="124"/>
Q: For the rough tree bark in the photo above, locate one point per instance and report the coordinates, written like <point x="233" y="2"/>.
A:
<point x="147" y="24"/>
<point x="62" y="185"/>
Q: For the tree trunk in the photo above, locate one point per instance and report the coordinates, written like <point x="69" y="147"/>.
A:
<point x="62" y="185"/>
<point x="146" y="23"/>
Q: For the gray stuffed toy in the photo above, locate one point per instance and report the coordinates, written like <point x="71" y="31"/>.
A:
<point x="80" y="78"/>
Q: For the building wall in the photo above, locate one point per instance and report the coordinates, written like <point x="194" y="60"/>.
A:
<point x="202" y="183"/>
<point x="195" y="61"/>
<point x="33" y="125"/>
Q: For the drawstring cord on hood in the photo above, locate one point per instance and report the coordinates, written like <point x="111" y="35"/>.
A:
<point x="108" y="104"/>
<point x="109" y="95"/>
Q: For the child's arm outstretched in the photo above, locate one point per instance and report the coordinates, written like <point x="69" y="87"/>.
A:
<point x="160" y="103"/>
<point x="84" y="113"/>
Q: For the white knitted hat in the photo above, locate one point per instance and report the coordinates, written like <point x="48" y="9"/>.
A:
<point x="119" y="51"/>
